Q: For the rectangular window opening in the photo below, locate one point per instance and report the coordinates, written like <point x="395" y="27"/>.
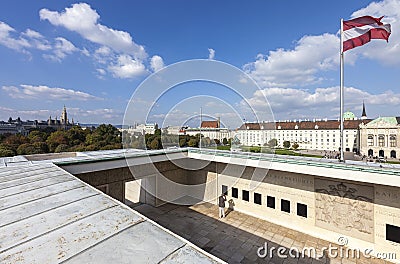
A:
<point x="245" y="195"/>
<point x="302" y="210"/>
<point x="271" y="202"/>
<point x="257" y="198"/>
<point x="235" y="192"/>
<point x="285" y="206"/>
<point x="225" y="189"/>
<point x="393" y="233"/>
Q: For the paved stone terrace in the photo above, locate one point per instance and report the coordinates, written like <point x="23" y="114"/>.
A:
<point x="237" y="237"/>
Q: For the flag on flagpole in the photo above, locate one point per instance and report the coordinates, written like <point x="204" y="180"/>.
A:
<point x="361" y="30"/>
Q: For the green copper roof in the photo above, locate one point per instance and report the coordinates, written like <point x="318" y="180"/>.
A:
<point x="389" y="120"/>
<point x="349" y="115"/>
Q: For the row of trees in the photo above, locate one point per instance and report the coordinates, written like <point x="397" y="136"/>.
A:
<point x="49" y="141"/>
<point x="286" y="144"/>
<point x="158" y="141"/>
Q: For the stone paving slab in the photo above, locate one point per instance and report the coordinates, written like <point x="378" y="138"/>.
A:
<point x="237" y="237"/>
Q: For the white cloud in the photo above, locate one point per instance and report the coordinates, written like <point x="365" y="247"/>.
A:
<point x="156" y="63"/>
<point x="97" y="114"/>
<point x="31" y="39"/>
<point x="299" y="66"/>
<point x="282" y="71"/>
<point x="19" y="44"/>
<point x="82" y="19"/>
<point x="101" y="71"/>
<point x="101" y="115"/>
<point x="127" y="67"/>
<point x="323" y="102"/>
<point x="211" y="54"/>
<point x="313" y="55"/>
<point x="61" y="49"/>
<point x="43" y="92"/>
<point x="387" y="53"/>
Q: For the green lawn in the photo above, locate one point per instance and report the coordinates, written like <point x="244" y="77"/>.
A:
<point x="224" y="147"/>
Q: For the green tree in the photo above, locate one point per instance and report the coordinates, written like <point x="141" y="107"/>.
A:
<point x="28" y="148"/>
<point x="102" y="136"/>
<point x="295" y="146"/>
<point x="14" y="141"/>
<point x="225" y="141"/>
<point x="155" y="143"/>
<point x="182" y="142"/>
<point x="57" y="138"/>
<point x="193" y="142"/>
<point x="76" y="136"/>
<point x="286" y="144"/>
<point x="37" y="136"/>
<point x="6" y="153"/>
<point x="61" y="148"/>
<point x="273" y="143"/>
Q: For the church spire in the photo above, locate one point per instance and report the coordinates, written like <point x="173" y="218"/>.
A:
<point x="64" y="116"/>
<point x="364" y="113"/>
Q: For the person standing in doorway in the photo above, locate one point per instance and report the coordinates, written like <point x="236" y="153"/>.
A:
<point x="221" y="205"/>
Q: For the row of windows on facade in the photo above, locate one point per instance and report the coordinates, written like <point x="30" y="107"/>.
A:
<point x="270" y="200"/>
<point x="327" y="132"/>
<point x="392" y="231"/>
<point x="381" y="140"/>
<point x="252" y="137"/>
<point x="381" y="153"/>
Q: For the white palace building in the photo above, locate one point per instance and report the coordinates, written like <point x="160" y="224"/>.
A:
<point x="314" y="134"/>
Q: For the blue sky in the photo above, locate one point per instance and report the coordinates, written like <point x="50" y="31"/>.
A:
<point x="91" y="56"/>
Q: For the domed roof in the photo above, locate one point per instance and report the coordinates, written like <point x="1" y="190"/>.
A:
<point x="348" y="116"/>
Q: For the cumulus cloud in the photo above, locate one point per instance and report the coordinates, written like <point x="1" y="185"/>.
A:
<point x="281" y="72"/>
<point x="322" y="102"/>
<point x="313" y="55"/>
<point x="211" y="54"/>
<point x="15" y="43"/>
<point x="299" y="66"/>
<point x="388" y="52"/>
<point x="100" y="115"/>
<point x="43" y="92"/>
<point x="31" y="39"/>
<point x="127" y="67"/>
<point x="37" y="40"/>
<point x="156" y="63"/>
<point x="81" y="18"/>
<point x="61" y="49"/>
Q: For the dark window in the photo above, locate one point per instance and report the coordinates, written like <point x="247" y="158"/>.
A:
<point x="302" y="210"/>
<point x="285" y="206"/>
<point x="271" y="202"/>
<point x="225" y="189"/>
<point x="235" y="192"/>
<point x="257" y="198"/>
<point x="393" y="233"/>
<point x="245" y="195"/>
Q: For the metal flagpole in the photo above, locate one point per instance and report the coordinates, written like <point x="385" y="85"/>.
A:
<point x="201" y="121"/>
<point x="341" y="92"/>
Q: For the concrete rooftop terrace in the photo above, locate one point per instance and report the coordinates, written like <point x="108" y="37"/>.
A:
<point x="49" y="216"/>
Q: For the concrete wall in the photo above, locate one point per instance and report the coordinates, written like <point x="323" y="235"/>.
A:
<point x="335" y="208"/>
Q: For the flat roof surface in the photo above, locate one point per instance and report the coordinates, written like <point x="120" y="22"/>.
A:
<point x="49" y="216"/>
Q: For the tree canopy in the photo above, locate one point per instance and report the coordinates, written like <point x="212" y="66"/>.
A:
<point x="47" y="141"/>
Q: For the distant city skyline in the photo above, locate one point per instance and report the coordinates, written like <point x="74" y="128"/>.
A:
<point x="92" y="55"/>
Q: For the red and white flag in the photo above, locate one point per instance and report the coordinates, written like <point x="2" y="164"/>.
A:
<point x="361" y="30"/>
